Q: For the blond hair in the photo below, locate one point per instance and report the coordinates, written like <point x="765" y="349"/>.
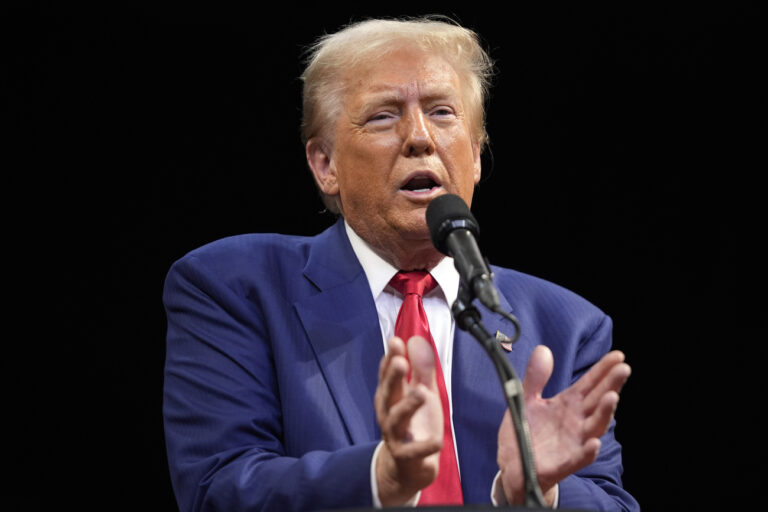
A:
<point x="369" y="40"/>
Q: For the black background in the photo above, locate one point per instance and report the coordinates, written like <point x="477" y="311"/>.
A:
<point x="624" y="164"/>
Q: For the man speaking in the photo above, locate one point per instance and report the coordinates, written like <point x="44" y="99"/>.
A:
<point x="313" y="373"/>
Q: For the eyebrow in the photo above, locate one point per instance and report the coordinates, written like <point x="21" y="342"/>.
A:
<point x="389" y="94"/>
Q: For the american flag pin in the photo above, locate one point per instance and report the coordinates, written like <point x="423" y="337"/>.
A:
<point x="504" y="340"/>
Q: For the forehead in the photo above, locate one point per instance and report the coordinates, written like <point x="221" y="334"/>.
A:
<point x="401" y="74"/>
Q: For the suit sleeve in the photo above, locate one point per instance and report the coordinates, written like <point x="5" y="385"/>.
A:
<point x="597" y="486"/>
<point x="222" y="411"/>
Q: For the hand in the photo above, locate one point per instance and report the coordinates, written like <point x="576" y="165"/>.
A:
<point x="410" y="416"/>
<point x="566" y="428"/>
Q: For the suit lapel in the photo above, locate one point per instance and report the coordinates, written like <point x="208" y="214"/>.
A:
<point x="343" y="328"/>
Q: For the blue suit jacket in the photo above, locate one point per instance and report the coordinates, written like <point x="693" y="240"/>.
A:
<point x="273" y="348"/>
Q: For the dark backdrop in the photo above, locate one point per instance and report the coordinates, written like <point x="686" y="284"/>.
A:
<point x="623" y="160"/>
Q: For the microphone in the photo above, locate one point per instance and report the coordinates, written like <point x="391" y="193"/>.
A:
<point x="454" y="230"/>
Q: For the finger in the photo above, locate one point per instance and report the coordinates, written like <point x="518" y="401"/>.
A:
<point x="395" y="346"/>
<point x="538" y="371"/>
<point x="585" y="455"/>
<point x="398" y="422"/>
<point x="597" y="424"/>
<point x="596" y="374"/>
<point x="415" y="449"/>
<point x="422" y="359"/>
<point x="589" y="452"/>
<point x="392" y="385"/>
<point x="390" y="389"/>
<point x="613" y="381"/>
<point x="399" y="418"/>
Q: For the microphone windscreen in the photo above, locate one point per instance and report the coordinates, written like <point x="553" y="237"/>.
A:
<point x="446" y="213"/>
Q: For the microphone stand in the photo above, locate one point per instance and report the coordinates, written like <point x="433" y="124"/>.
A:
<point x="468" y="319"/>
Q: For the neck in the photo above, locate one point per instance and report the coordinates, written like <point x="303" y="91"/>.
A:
<point x="411" y="255"/>
<point x="417" y="253"/>
<point x="404" y="251"/>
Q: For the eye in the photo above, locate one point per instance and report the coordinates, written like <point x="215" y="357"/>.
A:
<point x="381" y="116"/>
<point x="442" y="111"/>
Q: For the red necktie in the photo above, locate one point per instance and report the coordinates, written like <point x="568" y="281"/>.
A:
<point x="412" y="321"/>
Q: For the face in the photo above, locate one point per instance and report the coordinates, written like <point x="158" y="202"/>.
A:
<point x="402" y="138"/>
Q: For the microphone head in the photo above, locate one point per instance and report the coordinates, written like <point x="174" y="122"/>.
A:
<point x="446" y="213"/>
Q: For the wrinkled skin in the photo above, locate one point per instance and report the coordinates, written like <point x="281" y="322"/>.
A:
<point x="566" y="428"/>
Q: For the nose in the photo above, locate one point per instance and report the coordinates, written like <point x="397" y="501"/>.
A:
<point x="418" y="137"/>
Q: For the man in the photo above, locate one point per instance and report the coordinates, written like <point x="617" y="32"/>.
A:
<point x="286" y="388"/>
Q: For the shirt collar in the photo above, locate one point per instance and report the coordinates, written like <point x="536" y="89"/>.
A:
<point x="379" y="271"/>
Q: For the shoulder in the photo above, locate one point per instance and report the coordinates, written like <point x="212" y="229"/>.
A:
<point x="520" y="283"/>
<point x="535" y="297"/>
<point x="251" y="253"/>
<point x="247" y="265"/>
<point x="250" y="248"/>
<point x="256" y="263"/>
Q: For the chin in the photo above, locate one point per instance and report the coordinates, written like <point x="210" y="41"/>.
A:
<point x="415" y="230"/>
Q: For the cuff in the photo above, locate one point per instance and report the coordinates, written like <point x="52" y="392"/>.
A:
<point x="498" y="498"/>
<point x="375" y="486"/>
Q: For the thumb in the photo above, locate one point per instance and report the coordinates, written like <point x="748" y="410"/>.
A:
<point x="538" y="372"/>
<point x="422" y="359"/>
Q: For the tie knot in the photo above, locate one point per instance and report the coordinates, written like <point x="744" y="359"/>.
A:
<point x="418" y="282"/>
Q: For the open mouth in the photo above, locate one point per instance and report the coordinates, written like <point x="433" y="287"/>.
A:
<point x="420" y="183"/>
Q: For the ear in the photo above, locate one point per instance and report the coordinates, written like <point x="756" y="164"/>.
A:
<point x="320" y="162"/>
<point x="477" y="149"/>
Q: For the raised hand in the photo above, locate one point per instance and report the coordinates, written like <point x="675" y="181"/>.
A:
<point x="566" y="428"/>
<point x="411" y="420"/>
